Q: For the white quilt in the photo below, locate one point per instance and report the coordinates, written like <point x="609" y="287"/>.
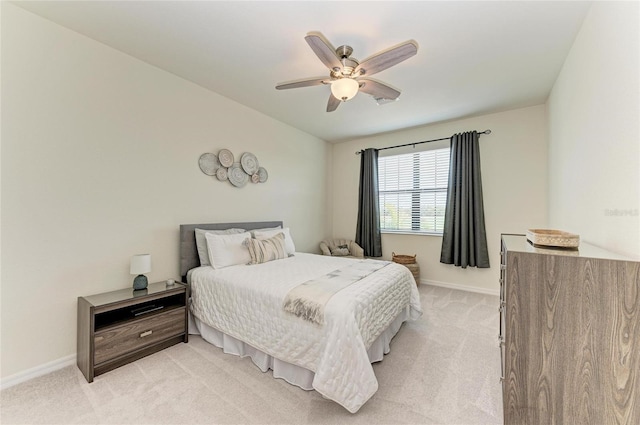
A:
<point x="246" y="303"/>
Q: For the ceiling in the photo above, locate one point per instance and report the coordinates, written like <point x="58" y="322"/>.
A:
<point x="474" y="57"/>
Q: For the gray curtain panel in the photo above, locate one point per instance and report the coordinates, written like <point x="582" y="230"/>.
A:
<point x="368" y="229"/>
<point x="464" y="241"/>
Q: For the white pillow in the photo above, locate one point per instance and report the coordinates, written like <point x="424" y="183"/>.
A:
<point x="265" y="229"/>
<point x="228" y="250"/>
<point x="288" y="240"/>
<point x="201" y="242"/>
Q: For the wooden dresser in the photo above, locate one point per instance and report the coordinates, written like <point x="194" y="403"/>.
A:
<point x="569" y="335"/>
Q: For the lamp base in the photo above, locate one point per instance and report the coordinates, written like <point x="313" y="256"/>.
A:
<point x="140" y="282"/>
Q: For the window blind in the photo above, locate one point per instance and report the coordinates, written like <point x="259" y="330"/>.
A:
<point x="413" y="191"/>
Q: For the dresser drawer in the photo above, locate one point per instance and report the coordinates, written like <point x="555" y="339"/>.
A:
<point x="116" y="341"/>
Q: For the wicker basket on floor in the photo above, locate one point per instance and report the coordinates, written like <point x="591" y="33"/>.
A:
<point x="409" y="261"/>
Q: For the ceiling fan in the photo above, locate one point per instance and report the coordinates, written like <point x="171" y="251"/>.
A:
<point x="347" y="76"/>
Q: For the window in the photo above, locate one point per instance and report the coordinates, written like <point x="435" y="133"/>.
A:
<point x="413" y="191"/>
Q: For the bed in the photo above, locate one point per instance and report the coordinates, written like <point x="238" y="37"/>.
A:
<point x="240" y="309"/>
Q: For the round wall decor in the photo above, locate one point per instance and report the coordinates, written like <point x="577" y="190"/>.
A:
<point x="249" y="163"/>
<point x="262" y="173"/>
<point x="226" y="157"/>
<point x="237" y="173"/>
<point x="237" y="176"/>
<point x="222" y="174"/>
<point x="209" y="163"/>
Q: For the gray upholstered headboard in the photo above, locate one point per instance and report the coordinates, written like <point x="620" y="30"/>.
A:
<point x="188" y="251"/>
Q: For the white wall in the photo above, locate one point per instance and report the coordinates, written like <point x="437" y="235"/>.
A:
<point x="514" y="177"/>
<point x="100" y="162"/>
<point x="594" y="132"/>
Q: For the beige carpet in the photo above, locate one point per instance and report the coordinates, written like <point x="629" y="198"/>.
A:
<point x="442" y="369"/>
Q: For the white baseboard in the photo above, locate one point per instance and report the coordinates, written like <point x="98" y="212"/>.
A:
<point x="495" y="292"/>
<point x="34" y="372"/>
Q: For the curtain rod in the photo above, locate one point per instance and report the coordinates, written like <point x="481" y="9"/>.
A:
<point x="417" y="143"/>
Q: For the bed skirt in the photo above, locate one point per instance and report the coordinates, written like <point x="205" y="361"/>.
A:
<point x="291" y="373"/>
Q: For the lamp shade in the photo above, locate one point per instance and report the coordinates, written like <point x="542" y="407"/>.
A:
<point x="344" y="88"/>
<point x="140" y="264"/>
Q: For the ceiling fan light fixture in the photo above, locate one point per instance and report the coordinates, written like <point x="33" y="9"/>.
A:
<point x="347" y="74"/>
<point x="344" y="88"/>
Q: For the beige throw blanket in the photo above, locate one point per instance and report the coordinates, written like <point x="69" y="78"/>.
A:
<point x="308" y="299"/>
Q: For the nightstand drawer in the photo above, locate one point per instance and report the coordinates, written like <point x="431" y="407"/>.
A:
<point x="116" y="341"/>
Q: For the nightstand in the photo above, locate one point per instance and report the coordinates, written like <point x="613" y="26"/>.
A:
<point x="116" y="328"/>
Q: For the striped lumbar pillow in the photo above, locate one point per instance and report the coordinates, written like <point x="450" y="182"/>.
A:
<point x="265" y="250"/>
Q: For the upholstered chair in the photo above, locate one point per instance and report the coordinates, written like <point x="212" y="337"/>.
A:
<point x="341" y="247"/>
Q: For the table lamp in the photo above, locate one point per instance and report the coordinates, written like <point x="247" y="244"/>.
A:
<point x="140" y="264"/>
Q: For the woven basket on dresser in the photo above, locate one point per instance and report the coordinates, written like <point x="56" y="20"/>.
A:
<point x="409" y="261"/>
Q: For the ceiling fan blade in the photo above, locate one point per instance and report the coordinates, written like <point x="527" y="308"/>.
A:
<point x="387" y="58"/>
<point x="333" y="103"/>
<point x="305" y="82"/>
<point x="324" y="50"/>
<point x="378" y="89"/>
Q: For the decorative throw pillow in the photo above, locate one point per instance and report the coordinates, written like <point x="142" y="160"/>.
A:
<point x="227" y="250"/>
<point x="340" y="251"/>
<point x="269" y="233"/>
<point x="263" y="250"/>
<point x="201" y="242"/>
